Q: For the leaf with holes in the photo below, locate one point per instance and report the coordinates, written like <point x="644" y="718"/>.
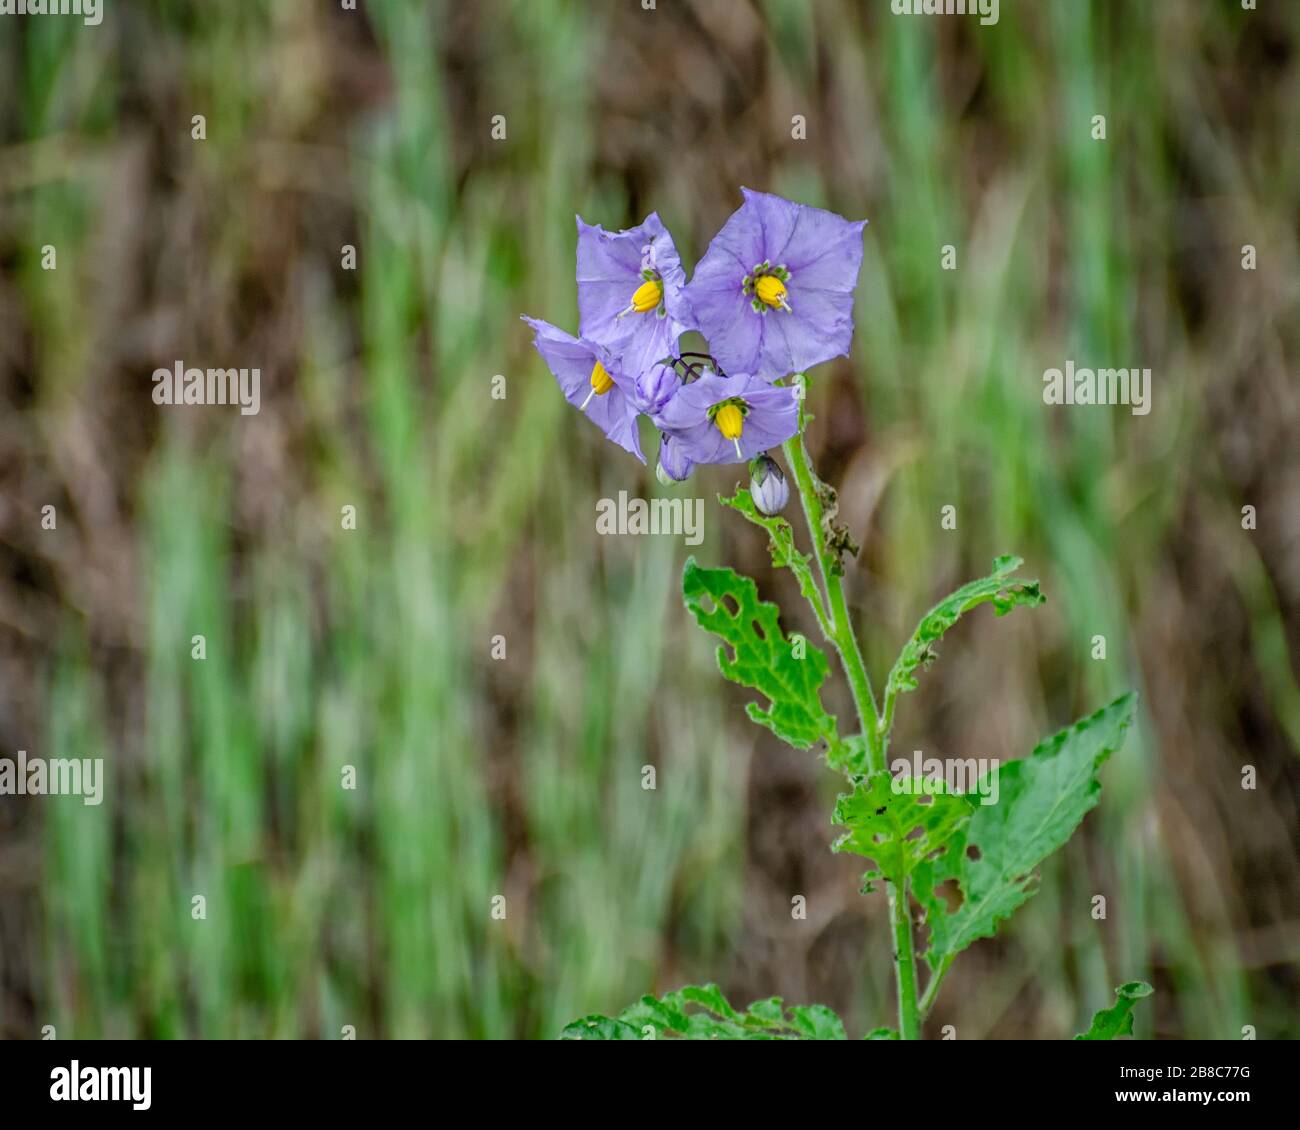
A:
<point x="1001" y="587"/>
<point x="701" y="1012"/>
<point x="761" y="657"/>
<point x="1118" y="1019"/>
<point x="898" y="829"/>
<point x="849" y="756"/>
<point x="1041" y="800"/>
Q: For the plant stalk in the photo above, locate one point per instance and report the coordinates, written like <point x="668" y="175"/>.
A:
<point x="842" y="635"/>
<point x="846" y="645"/>
<point x="909" y="1014"/>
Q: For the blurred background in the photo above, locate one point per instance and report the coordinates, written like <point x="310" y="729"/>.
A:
<point x="521" y="776"/>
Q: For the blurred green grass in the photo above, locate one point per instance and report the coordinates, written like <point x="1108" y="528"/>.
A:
<point x="371" y="648"/>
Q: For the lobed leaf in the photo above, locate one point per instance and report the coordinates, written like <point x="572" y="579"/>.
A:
<point x="701" y="1012"/>
<point x="601" y="1028"/>
<point x="899" y="830"/>
<point x="1041" y="801"/>
<point x="849" y="756"/>
<point x="1001" y="588"/>
<point x="1118" y="1019"/>
<point x="785" y="555"/>
<point x="761" y="656"/>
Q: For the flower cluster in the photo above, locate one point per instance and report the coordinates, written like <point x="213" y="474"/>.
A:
<point x="773" y="296"/>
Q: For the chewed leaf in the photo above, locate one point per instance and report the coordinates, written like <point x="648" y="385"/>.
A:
<point x="1004" y="590"/>
<point x="849" y="756"/>
<point x="816" y="1022"/>
<point x="701" y="1012"/>
<point x="757" y="654"/>
<point x="898" y="829"/>
<point x="1118" y="1019"/>
<point x="1041" y="800"/>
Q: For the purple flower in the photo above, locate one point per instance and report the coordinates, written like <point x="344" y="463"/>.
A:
<point x="674" y="464"/>
<point x="767" y="485"/>
<point x="774" y="292"/>
<point x="591" y="380"/>
<point x="655" y="387"/>
<point x="730" y="419"/>
<point x="630" y="292"/>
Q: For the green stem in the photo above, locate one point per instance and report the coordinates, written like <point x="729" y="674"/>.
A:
<point x="909" y="1016"/>
<point x="814" y="598"/>
<point x="856" y="669"/>
<point x="842" y="635"/>
<point x="932" y="989"/>
<point x="887" y="718"/>
<point x="845" y="641"/>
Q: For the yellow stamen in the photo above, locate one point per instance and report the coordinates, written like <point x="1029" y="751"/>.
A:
<point x="647" y="296"/>
<point x="770" y="290"/>
<point x="601" y="382"/>
<point x="730" y="422"/>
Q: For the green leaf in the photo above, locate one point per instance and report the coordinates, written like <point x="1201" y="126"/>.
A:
<point x="881" y="1034"/>
<point x="785" y="555"/>
<point x="816" y="1022"/>
<point x="761" y="656"/>
<point x="1041" y="799"/>
<point x="600" y="1028"/>
<point x="701" y="1012"/>
<point x="1118" y="1019"/>
<point x="849" y="756"/>
<point x="1004" y="590"/>
<point x="899" y="829"/>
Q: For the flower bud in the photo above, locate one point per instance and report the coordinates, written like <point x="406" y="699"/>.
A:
<point x="767" y="485"/>
<point x="674" y="464"/>
<point x="656" y="387"/>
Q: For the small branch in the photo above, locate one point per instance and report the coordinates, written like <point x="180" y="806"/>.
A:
<point x="932" y="989"/>
<point x="887" y="719"/>
<point x="815" y="599"/>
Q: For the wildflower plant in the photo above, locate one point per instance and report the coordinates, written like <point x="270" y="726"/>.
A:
<point x="773" y="296"/>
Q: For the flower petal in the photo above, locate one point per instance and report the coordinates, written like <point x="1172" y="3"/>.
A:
<point x="615" y="415"/>
<point x="773" y="417"/>
<point x="726" y="318"/>
<point x="823" y="253"/>
<point x="673" y="459"/>
<point x="819" y="328"/>
<point x="777" y="218"/>
<point x="571" y="360"/>
<point x="609" y="273"/>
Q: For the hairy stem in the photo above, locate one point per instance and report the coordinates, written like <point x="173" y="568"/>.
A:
<point x="909" y="1015"/>
<point x="932" y="989"/>
<point x="841" y="635"/>
<point x="873" y="724"/>
<point x="887" y="718"/>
